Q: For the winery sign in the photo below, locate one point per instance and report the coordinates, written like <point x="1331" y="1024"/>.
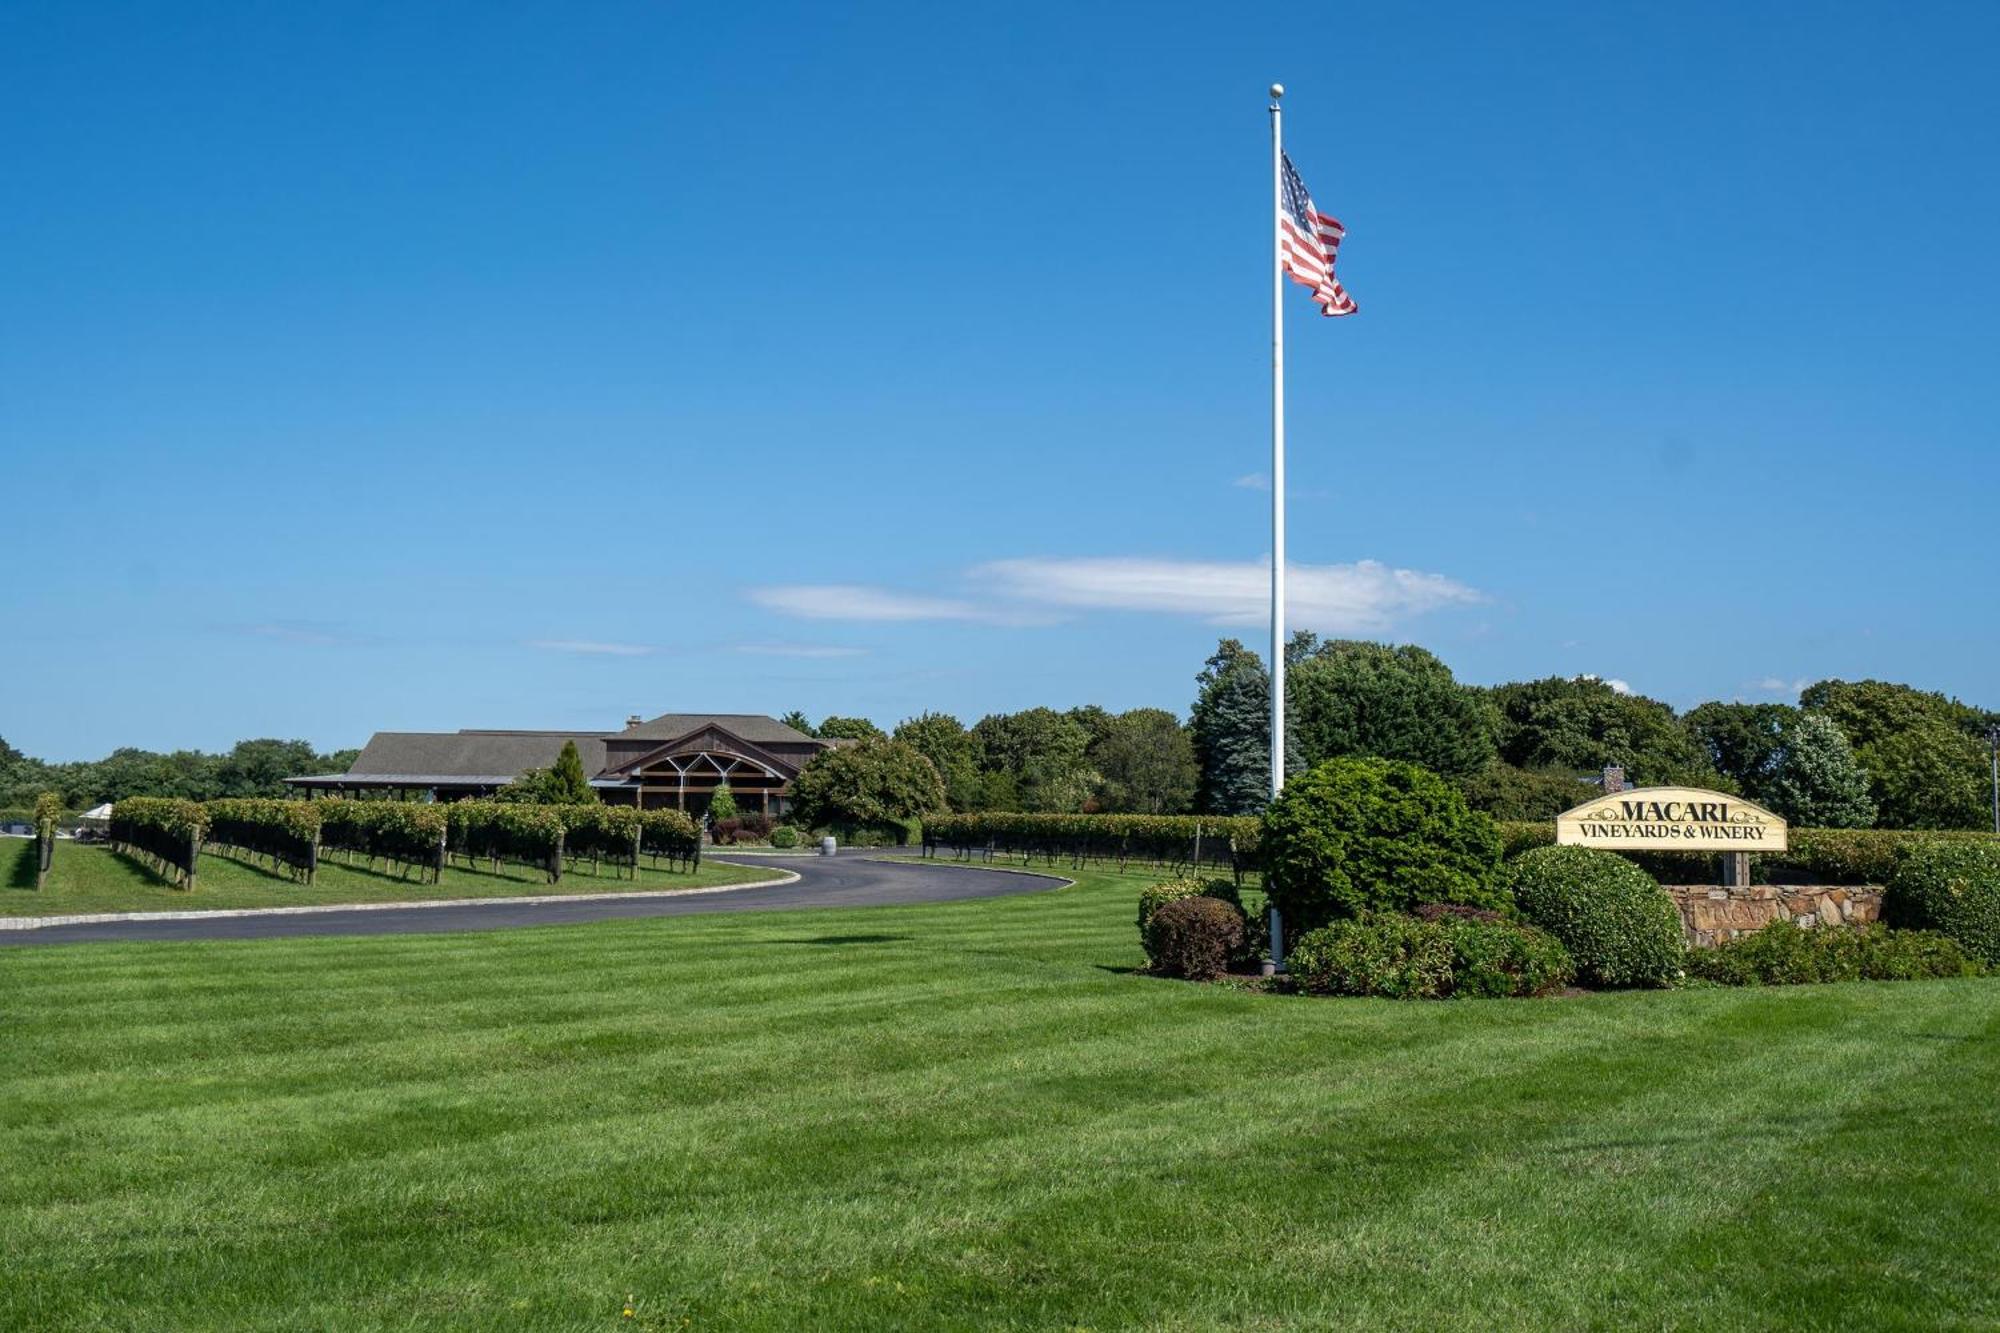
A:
<point x="1672" y="819"/>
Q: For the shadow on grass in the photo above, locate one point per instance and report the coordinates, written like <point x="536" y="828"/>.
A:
<point x="21" y="875"/>
<point x="1120" y="971"/>
<point x="831" y="940"/>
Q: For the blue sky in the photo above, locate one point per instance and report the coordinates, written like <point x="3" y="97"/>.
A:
<point x="488" y="365"/>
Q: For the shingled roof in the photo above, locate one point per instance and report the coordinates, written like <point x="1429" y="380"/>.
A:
<point x="477" y="756"/>
<point x="754" y="727"/>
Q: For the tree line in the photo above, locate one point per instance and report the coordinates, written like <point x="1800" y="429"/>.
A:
<point x="249" y="768"/>
<point x="1849" y="754"/>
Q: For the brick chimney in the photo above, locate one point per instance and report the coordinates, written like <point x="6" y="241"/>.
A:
<point x="633" y="721"/>
<point x="1614" y="779"/>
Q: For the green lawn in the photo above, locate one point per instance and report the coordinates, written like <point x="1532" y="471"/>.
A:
<point x="965" y="1116"/>
<point x="95" y="879"/>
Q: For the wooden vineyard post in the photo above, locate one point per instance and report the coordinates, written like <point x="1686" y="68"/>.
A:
<point x="312" y="858"/>
<point x="555" y="860"/>
<point x="194" y="859"/>
<point x="45" y="855"/>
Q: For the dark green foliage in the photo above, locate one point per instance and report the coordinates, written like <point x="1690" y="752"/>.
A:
<point x="1351" y="698"/>
<point x="1617" y="923"/>
<point x="1403" y="958"/>
<point x="408" y="833"/>
<point x="869" y="787"/>
<point x="943" y="739"/>
<point x="851" y="729"/>
<point x="1922" y="751"/>
<point x="1230" y="727"/>
<point x="285" y="831"/>
<point x="1509" y="793"/>
<point x="251" y="768"/>
<point x="1035" y="760"/>
<point x="1145" y="763"/>
<point x="799" y="722"/>
<point x="1194" y="937"/>
<point x="1785" y="954"/>
<point x="166" y="831"/>
<point x="784" y="836"/>
<point x="1175" y="840"/>
<point x="1582" y="723"/>
<point x="1355" y="836"/>
<point x="1741" y="741"/>
<point x="1953" y="887"/>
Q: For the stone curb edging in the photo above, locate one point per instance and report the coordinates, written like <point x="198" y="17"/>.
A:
<point x="205" y="914"/>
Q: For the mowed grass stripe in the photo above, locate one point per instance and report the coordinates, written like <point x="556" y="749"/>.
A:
<point x="951" y="1127"/>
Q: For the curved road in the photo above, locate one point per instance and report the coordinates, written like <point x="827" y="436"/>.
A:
<point x="841" y="882"/>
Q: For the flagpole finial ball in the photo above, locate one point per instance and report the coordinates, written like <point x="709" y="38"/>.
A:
<point x="1277" y="91"/>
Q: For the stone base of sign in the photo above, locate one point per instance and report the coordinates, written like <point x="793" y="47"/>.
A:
<point x="1712" y="914"/>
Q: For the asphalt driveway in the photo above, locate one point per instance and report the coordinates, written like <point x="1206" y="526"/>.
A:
<point x="843" y="881"/>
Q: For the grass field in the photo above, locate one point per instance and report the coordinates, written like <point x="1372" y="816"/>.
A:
<point x="95" y="879"/>
<point x="965" y="1116"/>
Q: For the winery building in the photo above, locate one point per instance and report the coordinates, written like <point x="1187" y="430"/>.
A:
<point x="671" y="762"/>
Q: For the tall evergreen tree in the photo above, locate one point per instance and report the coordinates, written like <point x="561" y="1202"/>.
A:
<point x="1814" y="779"/>
<point x="1230" y="726"/>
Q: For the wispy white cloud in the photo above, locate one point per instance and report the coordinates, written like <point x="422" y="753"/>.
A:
<point x="1252" y="481"/>
<point x="1364" y="596"/>
<point x="592" y="647"/>
<point x="808" y="650"/>
<point x="1778" y="685"/>
<point x="304" y="633"/>
<point x="854" y="601"/>
<point x="1618" y="686"/>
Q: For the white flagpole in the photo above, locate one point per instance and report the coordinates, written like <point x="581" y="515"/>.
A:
<point x="1277" y="482"/>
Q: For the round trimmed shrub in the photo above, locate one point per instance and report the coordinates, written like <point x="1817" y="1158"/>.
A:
<point x="1619" y="926"/>
<point x="1950" y="887"/>
<point x="1155" y="896"/>
<point x="1403" y="958"/>
<point x="784" y="836"/>
<point x="1355" y="836"/>
<point x="1194" y="938"/>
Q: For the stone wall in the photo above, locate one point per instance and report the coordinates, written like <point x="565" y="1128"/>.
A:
<point x="1712" y="913"/>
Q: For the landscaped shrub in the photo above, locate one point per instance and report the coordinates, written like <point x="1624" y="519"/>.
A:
<point x="1194" y="937"/>
<point x="1256" y="936"/>
<point x="1356" y="836"/>
<point x="1785" y="954"/>
<point x="1403" y="958"/>
<point x="1618" y="925"/>
<point x="784" y="836"/>
<point x="723" y="832"/>
<point x="1953" y="887"/>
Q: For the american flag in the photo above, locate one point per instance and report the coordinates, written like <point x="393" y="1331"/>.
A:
<point x="1310" y="241"/>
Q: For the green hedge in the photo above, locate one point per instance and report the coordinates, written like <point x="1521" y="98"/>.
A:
<point x="285" y="832"/>
<point x="1401" y="958"/>
<point x="1218" y="841"/>
<point x="1953" y="887"/>
<point x="1785" y="954"/>
<point x="167" y="831"/>
<point x="406" y="833"/>
<point x="1816" y="855"/>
